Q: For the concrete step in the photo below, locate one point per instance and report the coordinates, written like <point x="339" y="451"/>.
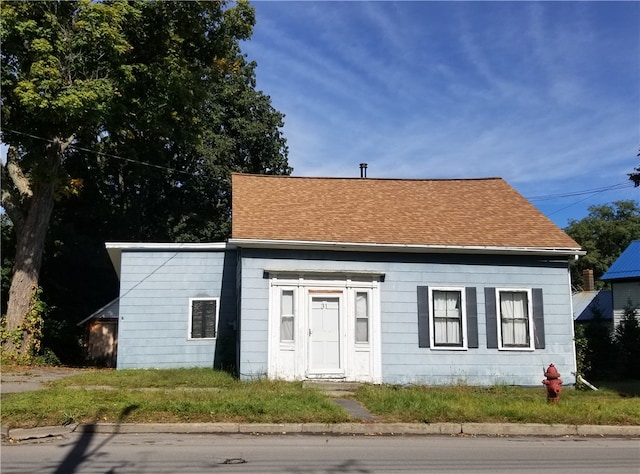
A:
<point x="332" y="385"/>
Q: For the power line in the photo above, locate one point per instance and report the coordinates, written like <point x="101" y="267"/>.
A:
<point x="99" y="153"/>
<point x="581" y="193"/>
<point x="589" y="193"/>
<point x="544" y="197"/>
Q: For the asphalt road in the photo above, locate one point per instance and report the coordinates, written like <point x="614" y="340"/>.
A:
<point x="155" y="453"/>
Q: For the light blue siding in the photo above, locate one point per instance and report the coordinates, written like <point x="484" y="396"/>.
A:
<point x="402" y="360"/>
<point x="155" y="288"/>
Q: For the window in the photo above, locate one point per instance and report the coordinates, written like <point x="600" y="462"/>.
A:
<point x="286" y="316"/>
<point x="447" y="318"/>
<point x="515" y="318"/>
<point x="515" y="325"/>
<point x="362" y="316"/>
<point x="203" y="318"/>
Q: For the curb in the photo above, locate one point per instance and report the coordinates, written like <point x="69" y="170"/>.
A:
<point x="370" y="429"/>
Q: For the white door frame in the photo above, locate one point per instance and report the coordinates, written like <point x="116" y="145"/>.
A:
<point x="290" y="359"/>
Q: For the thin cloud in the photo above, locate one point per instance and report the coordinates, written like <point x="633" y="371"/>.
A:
<point x="542" y="94"/>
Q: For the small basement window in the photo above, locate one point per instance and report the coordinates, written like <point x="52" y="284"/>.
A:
<point x="203" y="318"/>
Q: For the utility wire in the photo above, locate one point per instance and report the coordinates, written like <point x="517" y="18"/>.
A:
<point x="588" y="192"/>
<point x="99" y="153"/>
<point x="581" y="193"/>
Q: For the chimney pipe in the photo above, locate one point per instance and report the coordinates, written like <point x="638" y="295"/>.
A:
<point x="363" y="170"/>
<point x="588" y="283"/>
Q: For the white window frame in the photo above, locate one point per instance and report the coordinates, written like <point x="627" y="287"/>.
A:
<point x="463" y="313"/>
<point x="294" y="304"/>
<point x="190" y="324"/>
<point x="369" y="294"/>
<point x="530" y="327"/>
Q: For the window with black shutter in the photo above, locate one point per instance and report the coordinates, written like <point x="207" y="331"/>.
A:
<point x="442" y="319"/>
<point x="204" y="318"/>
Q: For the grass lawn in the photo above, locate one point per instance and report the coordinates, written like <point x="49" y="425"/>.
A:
<point x="498" y="404"/>
<point x="204" y="395"/>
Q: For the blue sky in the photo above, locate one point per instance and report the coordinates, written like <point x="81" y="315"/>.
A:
<point x="543" y="94"/>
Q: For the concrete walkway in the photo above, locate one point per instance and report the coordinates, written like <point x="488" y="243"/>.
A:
<point x="26" y="379"/>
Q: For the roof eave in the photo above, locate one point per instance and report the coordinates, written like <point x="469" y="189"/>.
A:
<point x="620" y="277"/>
<point x="114" y="249"/>
<point x="405" y="248"/>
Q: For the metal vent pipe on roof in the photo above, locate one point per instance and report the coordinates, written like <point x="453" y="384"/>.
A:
<point x="363" y="170"/>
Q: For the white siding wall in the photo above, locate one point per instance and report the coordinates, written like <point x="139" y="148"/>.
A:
<point x="623" y="292"/>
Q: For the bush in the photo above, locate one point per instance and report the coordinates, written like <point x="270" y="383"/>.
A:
<point x="627" y="339"/>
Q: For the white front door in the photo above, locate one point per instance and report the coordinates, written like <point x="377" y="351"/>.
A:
<point x="324" y="335"/>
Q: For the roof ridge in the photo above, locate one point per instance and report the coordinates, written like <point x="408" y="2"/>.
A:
<point x="357" y="178"/>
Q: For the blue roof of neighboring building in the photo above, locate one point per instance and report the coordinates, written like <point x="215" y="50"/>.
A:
<point x="587" y="304"/>
<point x="627" y="265"/>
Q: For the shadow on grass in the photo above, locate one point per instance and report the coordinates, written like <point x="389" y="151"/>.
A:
<point x="624" y="388"/>
<point x="80" y="452"/>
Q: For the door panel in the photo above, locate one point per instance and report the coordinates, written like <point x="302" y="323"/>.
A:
<point x="324" y="334"/>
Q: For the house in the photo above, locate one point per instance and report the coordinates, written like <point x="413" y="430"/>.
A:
<point x="624" y="277"/>
<point x="102" y="334"/>
<point x="590" y="304"/>
<point x="371" y="280"/>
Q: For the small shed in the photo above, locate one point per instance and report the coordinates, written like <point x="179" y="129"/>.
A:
<point x="102" y="334"/>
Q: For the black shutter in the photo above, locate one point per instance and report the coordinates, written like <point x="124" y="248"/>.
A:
<point x="538" y="318"/>
<point x="203" y="319"/>
<point x="423" y="316"/>
<point x="472" y="318"/>
<point x="491" y="317"/>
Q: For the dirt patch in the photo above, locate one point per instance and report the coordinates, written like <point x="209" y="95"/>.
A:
<point x="25" y="379"/>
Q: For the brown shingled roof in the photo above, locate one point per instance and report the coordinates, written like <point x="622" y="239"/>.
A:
<point x="442" y="212"/>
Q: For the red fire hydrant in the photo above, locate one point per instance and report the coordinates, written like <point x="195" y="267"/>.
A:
<point x="553" y="383"/>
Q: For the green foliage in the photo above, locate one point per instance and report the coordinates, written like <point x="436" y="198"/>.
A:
<point x="583" y="363"/>
<point x="627" y="338"/>
<point x="8" y="246"/>
<point x="27" y="337"/>
<point x="162" y="107"/>
<point x="635" y="176"/>
<point x="604" y="234"/>
<point x="594" y="348"/>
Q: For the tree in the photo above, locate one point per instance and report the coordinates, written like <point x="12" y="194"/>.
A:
<point x="107" y="111"/>
<point x="627" y="338"/>
<point x="604" y="234"/>
<point x="635" y="176"/>
<point x="594" y="347"/>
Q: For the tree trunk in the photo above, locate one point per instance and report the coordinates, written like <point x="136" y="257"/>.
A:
<point x="30" y="242"/>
